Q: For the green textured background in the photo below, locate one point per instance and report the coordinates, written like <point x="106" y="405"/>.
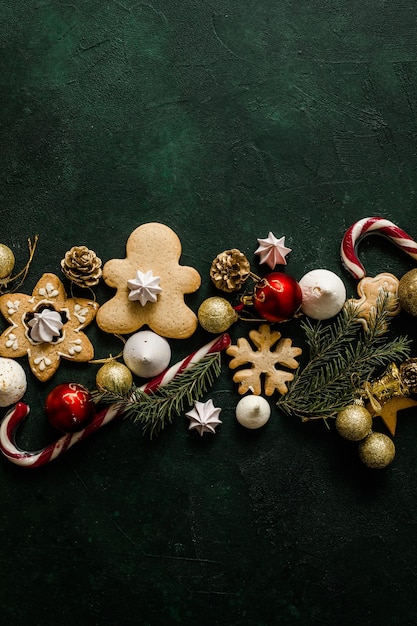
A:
<point x="222" y="119"/>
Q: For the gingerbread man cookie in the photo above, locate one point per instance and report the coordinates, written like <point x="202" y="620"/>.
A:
<point x="150" y="285"/>
<point x="46" y="326"/>
<point x="369" y="290"/>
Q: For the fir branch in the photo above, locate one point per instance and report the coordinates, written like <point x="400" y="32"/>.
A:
<point x="341" y="359"/>
<point x="157" y="409"/>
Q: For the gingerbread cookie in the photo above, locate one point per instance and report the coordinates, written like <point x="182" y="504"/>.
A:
<point x="151" y="285"/>
<point x="46" y="326"/>
<point x="369" y="290"/>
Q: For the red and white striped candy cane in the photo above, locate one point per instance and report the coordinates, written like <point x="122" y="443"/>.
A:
<point x="368" y="226"/>
<point x="18" y="413"/>
<point x="35" y="459"/>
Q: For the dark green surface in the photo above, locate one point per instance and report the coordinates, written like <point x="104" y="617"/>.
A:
<point x="224" y="120"/>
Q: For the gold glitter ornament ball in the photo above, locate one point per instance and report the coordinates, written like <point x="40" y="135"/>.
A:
<point x="216" y="315"/>
<point x="354" y="422"/>
<point x="115" y="377"/>
<point x="7" y="261"/>
<point x="407" y="292"/>
<point x="377" y="451"/>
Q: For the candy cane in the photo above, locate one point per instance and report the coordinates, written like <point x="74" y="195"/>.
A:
<point x="18" y="413"/>
<point x="367" y="226"/>
<point x="35" y="459"/>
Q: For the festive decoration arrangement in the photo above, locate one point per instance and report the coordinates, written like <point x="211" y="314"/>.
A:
<point x="158" y="401"/>
<point x="152" y="405"/>
<point x="342" y="357"/>
<point x="335" y="381"/>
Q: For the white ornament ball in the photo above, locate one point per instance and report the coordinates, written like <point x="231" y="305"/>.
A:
<point x="253" y="411"/>
<point x="147" y="354"/>
<point x="12" y="382"/>
<point x="324" y="294"/>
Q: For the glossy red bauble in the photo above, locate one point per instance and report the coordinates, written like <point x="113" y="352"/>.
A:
<point x="69" y="407"/>
<point x="277" y="297"/>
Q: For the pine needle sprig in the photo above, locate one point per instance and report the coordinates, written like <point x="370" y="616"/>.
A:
<point x="342" y="357"/>
<point x="157" y="409"/>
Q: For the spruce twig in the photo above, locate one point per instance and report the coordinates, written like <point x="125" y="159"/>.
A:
<point x="158" y="408"/>
<point x="341" y="359"/>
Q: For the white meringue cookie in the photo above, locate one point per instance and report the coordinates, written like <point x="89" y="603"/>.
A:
<point x="324" y="294"/>
<point x="144" y="287"/>
<point x="147" y="354"/>
<point x="12" y="381"/>
<point x="45" y="326"/>
<point x="253" y="412"/>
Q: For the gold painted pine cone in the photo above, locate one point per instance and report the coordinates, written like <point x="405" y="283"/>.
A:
<point x="229" y="270"/>
<point x="82" y="266"/>
<point x="408" y="373"/>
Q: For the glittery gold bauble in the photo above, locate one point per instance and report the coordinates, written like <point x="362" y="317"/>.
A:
<point x="216" y="315"/>
<point x="376" y="451"/>
<point x="407" y="292"/>
<point x="6" y="261"/>
<point x="354" y="422"/>
<point x="114" y="376"/>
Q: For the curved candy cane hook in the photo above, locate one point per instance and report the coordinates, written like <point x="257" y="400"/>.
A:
<point x="18" y="413"/>
<point x="368" y="226"/>
<point x="35" y="459"/>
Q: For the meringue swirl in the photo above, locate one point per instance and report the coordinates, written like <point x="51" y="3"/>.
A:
<point x="45" y="326"/>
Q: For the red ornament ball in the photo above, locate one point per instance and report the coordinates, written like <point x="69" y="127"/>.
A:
<point x="69" y="407"/>
<point x="277" y="297"/>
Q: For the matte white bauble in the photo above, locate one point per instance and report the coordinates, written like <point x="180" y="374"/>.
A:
<point x="12" y="381"/>
<point x="147" y="354"/>
<point x="253" y="411"/>
<point x="324" y="294"/>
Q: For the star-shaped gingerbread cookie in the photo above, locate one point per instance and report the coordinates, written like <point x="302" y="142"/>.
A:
<point x="46" y="326"/>
<point x="153" y="252"/>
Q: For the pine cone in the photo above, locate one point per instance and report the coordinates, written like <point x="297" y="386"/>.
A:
<point x="229" y="270"/>
<point x="408" y="373"/>
<point x="82" y="266"/>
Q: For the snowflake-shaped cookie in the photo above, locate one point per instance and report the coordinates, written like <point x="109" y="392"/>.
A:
<point x="263" y="361"/>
